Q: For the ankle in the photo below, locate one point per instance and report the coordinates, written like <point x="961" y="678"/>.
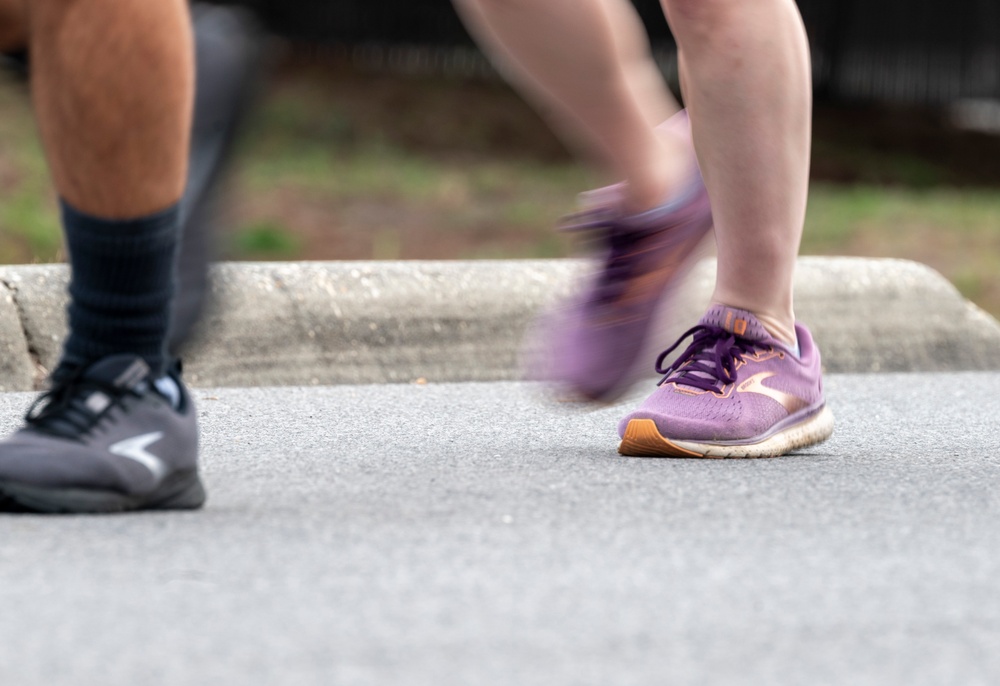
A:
<point x="121" y="285"/>
<point x="667" y="175"/>
<point x="781" y="328"/>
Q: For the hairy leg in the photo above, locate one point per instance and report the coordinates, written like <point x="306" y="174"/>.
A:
<point x="113" y="83"/>
<point x="586" y="65"/>
<point x="746" y="76"/>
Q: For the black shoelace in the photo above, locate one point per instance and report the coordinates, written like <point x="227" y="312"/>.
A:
<point x="64" y="410"/>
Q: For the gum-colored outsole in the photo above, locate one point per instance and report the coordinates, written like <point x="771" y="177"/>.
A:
<point x="643" y="439"/>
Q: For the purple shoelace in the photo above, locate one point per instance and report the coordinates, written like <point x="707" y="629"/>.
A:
<point x="621" y="244"/>
<point x="713" y="355"/>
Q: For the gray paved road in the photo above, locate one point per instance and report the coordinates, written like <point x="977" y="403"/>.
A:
<point x="466" y="534"/>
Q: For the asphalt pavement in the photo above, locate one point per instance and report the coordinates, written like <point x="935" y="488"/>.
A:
<point x="466" y="534"/>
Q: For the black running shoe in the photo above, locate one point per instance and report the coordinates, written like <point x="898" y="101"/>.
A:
<point x="104" y="439"/>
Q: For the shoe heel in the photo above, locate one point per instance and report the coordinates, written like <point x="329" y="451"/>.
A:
<point x="191" y="497"/>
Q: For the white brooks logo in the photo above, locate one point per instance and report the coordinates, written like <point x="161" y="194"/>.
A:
<point x="135" y="449"/>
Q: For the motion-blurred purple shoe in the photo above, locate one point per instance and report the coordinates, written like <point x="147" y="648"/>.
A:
<point x="593" y="346"/>
<point x="735" y="392"/>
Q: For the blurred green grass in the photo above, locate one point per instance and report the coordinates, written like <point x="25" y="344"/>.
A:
<point x="353" y="166"/>
<point x="29" y="226"/>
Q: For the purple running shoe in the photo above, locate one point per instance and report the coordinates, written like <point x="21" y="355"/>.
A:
<point x="594" y="345"/>
<point x="735" y="392"/>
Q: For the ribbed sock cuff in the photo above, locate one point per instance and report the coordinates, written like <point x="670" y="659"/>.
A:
<point x="122" y="285"/>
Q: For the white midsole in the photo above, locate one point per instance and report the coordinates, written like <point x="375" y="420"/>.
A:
<point x="813" y="430"/>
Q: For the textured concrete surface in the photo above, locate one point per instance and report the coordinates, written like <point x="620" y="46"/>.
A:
<point x="369" y="322"/>
<point x="16" y="369"/>
<point x="351" y="322"/>
<point x="447" y="535"/>
<point x="39" y="295"/>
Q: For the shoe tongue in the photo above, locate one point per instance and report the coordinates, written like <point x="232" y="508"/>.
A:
<point x="738" y="322"/>
<point x="120" y="371"/>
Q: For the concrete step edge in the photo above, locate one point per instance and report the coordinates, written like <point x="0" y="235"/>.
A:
<point x="310" y="323"/>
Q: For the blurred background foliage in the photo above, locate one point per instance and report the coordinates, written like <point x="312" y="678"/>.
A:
<point x="382" y="134"/>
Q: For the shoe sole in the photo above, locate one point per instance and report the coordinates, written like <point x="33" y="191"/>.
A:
<point x="643" y="439"/>
<point x="181" y="492"/>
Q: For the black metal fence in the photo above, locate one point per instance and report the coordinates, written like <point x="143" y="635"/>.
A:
<point x="928" y="51"/>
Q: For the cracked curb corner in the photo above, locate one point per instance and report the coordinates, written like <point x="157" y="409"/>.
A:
<point x="20" y="366"/>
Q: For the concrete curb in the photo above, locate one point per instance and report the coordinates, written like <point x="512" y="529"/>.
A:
<point x="372" y="322"/>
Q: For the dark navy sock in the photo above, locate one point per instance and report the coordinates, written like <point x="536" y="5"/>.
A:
<point x="121" y="286"/>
